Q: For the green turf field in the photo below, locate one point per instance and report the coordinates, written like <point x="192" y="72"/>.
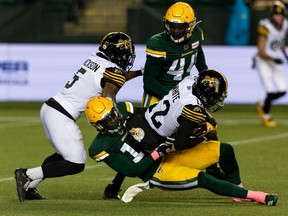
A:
<point x="262" y="155"/>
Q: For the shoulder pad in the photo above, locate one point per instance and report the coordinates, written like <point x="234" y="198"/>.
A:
<point x="194" y="113"/>
<point x="114" y="70"/>
<point x="114" y="75"/>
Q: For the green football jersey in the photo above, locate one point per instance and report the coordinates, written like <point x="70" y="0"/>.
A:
<point x="167" y="63"/>
<point x="121" y="153"/>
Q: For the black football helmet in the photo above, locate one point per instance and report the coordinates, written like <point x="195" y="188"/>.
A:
<point x="119" y="48"/>
<point x="210" y="88"/>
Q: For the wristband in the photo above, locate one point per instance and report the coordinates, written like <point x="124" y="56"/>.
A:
<point x="155" y="155"/>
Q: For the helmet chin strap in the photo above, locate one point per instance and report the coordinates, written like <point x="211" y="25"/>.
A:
<point x="188" y="34"/>
<point x="177" y="41"/>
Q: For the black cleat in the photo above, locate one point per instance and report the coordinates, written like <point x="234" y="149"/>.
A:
<point x="33" y="194"/>
<point x="111" y="192"/>
<point x="22" y="181"/>
<point x="271" y="199"/>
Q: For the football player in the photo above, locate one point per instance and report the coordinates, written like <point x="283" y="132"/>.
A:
<point x="183" y="110"/>
<point x="272" y="33"/>
<point x="179" y="170"/>
<point x="170" y="56"/>
<point x="102" y="74"/>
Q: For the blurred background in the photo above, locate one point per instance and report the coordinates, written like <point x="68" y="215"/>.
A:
<point x="43" y="42"/>
<point x="80" y="21"/>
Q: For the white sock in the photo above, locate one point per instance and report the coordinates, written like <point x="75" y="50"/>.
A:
<point x="35" y="173"/>
<point x="267" y="116"/>
<point x="34" y="183"/>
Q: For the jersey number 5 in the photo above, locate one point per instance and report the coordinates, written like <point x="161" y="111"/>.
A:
<point x="70" y="83"/>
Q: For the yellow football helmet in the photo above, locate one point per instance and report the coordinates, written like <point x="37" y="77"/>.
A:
<point x="179" y="21"/>
<point x="103" y="114"/>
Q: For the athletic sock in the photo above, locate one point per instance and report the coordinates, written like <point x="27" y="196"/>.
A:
<point x="35" y="173"/>
<point x="258" y="196"/>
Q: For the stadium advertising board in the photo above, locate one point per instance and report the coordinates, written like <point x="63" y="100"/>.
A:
<point x="35" y="72"/>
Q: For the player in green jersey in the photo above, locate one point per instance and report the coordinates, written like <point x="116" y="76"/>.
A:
<point x="171" y="54"/>
<point x="179" y="170"/>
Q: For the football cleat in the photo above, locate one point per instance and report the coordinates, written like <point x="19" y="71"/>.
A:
<point x="133" y="190"/>
<point x="269" y="123"/>
<point x="266" y="122"/>
<point x="260" y="111"/>
<point x="111" y="192"/>
<point x="271" y="199"/>
<point x="22" y="182"/>
<point x="33" y="194"/>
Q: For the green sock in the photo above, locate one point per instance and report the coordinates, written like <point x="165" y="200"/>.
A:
<point x="220" y="187"/>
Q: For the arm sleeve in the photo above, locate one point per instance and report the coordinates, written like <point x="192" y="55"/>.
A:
<point x="189" y="119"/>
<point x="183" y="140"/>
<point x="201" y="61"/>
<point x="114" y="76"/>
<point x="127" y="167"/>
<point x="152" y="70"/>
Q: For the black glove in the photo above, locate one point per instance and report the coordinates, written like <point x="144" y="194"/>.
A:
<point x="163" y="149"/>
<point x="278" y="61"/>
<point x="202" y="129"/>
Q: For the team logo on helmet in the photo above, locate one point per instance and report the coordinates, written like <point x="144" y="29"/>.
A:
<point x="211" y="82"/>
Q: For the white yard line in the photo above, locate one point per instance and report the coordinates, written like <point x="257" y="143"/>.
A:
<point x="234" y="143"/>
<point x="259" y="139"/>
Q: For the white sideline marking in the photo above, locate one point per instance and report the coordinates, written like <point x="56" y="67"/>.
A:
<point x="17" y="121"/>
<point x="259" y="139"/>
<point x="6" y="179"/>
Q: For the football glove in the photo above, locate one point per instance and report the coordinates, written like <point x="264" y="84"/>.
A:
<point x="202" y="129"/>
<point x="278" y="61"/>
<point x="161" y="150"/>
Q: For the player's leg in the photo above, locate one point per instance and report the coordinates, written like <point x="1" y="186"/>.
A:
<point x="279" y="90"/>
<point x="225" y="188"/>
<point x="229" y="165"/>
<point x="111" y="191"/>
<point x="267" y="76"/>
<point x="65" y="136"/>
<point x="184" y="178"/>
